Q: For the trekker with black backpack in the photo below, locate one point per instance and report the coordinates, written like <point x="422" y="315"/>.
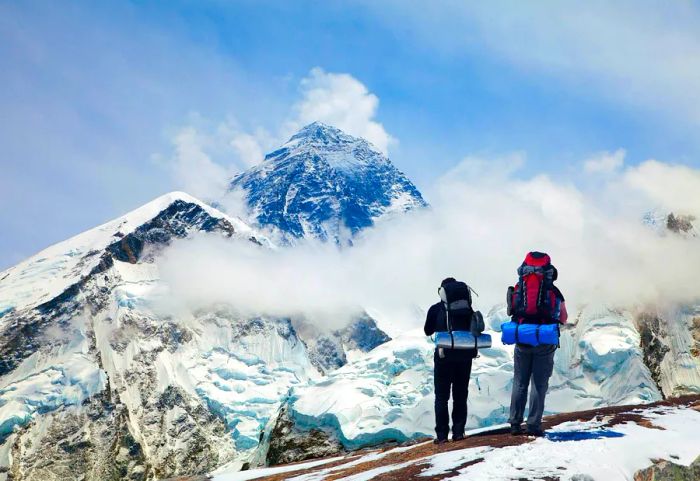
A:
<point x="452" y="365"/>
<point x="536" y="307"/>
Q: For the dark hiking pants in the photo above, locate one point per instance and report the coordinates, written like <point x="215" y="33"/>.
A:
<point x="533" y="366"/>
<point x="451" y="375"/>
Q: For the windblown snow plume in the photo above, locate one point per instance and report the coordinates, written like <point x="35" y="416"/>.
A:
<point x="483" y="220"/>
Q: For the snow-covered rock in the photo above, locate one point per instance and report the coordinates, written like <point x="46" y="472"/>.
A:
<point x="671" y="346"/>
<point x="325" y="184"/>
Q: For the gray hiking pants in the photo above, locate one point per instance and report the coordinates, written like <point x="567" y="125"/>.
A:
<point x="532" y="365"/>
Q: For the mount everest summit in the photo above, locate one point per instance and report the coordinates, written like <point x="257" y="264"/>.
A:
<point x="325" y="184"/>
<point x="98" y="383"/>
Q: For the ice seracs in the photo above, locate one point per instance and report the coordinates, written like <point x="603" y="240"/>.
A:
<point x="387" y="395"/>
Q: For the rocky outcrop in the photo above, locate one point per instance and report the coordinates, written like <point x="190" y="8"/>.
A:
<point x="289" y="444"/>
<point x="652" y="333"/>
<point x="680" y="223"/>
<point x="664" y="470"/>
<point x="670" y="342"/>
<point x="93" y="440"/>
<point x="329" y="350"/>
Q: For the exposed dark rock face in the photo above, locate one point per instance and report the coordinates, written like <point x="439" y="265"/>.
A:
<point x="695" y="350"/>
<point x="94" y="440"/>
<point x="651" y="331"/>
<point x="328" y="351"/>
<point x="22" y="332"/>
<point x="289" y="444"/>
<point x="679" y="223"/>
<point x="363" y="334"/>
<point x="173" y="222"/>
<point x="186" y="420"/>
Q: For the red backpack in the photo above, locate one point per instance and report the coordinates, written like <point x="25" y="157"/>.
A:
<point x="534" y="300"/>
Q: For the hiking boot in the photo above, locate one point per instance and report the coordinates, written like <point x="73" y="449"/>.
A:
<point x="537" y="432"/>
<point x="439" y="441"/>
<point x="516" y="429"/>
<point x="457" y="437"/>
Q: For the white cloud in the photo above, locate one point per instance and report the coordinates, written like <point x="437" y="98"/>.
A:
<point x="642" y="53"/>
<point x="248" y="147"/>
<point x="193" y="170"/>
<point x="670" y="187"/>
<point x="478" y="231"/>
<point x="605" y="162"/>
<point x="339" y="99"/>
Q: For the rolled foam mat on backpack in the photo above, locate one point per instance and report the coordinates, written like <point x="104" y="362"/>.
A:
<point x="462" y="340"/>
<point x="531" y="334"/>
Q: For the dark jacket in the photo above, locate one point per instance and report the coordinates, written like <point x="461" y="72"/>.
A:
<point x="436" y="321"/>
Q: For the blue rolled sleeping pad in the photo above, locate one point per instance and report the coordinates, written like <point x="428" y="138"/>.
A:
<point x="531" y="334"/>
<point x="462" y="340"/>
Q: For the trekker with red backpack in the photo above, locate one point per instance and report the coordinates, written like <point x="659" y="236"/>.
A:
<point x="534" y="300"/>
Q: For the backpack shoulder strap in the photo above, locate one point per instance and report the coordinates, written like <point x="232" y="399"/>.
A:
<point x="442" y="323"/>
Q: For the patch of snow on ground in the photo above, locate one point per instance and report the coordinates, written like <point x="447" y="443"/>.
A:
<point x="610" y="453"/>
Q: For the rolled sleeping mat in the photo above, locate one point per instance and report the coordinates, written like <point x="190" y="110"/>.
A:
<point x="462" y="340"/>
<point x="531" y="334"/>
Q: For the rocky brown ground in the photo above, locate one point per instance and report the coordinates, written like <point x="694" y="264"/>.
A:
<point x="662" y="469"/>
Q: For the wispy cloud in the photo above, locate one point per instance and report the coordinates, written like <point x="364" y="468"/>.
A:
<point x="194" y="171"/>
<point x="605" y="162"/>
<point x="645" y="55"/>
<point x="478" y="229"/>
<point x="341" y="100"/>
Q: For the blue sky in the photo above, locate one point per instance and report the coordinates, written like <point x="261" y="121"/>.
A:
<point x="95" y="96"/>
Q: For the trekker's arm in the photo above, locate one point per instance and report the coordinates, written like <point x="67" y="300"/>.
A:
<point x="563" y="315"/>
<point x="430" y="319"/>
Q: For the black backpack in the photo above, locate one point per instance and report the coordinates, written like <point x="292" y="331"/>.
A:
<point x="459" y="315"/>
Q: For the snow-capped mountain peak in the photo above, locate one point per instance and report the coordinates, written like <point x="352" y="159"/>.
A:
<point x="48" y="273"/>
<point x="340" y="150"/>
<point x="98" y="381"/>
<point x="325" y="184"/>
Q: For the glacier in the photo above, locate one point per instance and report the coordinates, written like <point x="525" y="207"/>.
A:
<point x="387" y="395"/>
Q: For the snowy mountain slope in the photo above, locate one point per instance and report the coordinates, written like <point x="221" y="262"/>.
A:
<point x="71" y="338"/>
<point x="620" y="443"/>
<point x="47" y="274"/>
<point x="98" y="382"/>
<point x="46" y="285"/>
<point x="325" y="184"/>
<point x="387" y="395"/>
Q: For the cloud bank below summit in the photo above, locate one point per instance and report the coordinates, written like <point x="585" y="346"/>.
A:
<point x="483" y="219"/>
